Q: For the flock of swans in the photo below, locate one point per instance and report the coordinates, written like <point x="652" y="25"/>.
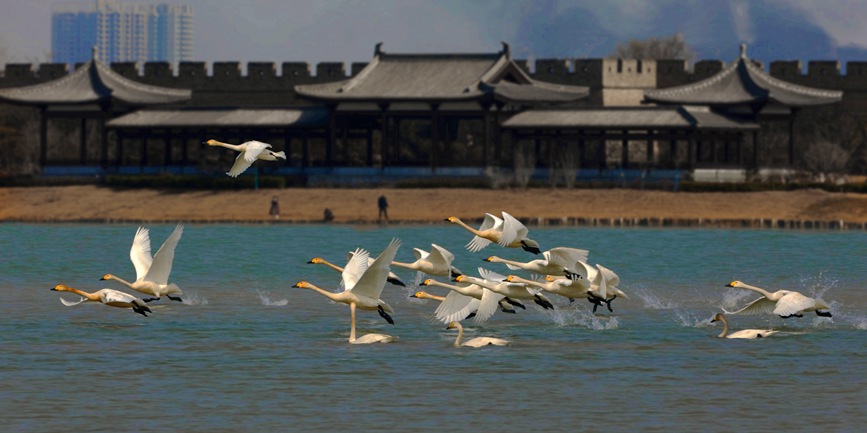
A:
<point x="561" y="271"/>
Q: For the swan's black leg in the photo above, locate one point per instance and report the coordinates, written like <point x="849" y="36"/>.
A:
<point x="150" y="299"/>
<point x="571" y="300"/>
<point x="823" y="313"/>
<point x="174" y="298"/>
<point x="608" y="303"/>
<point x="596" y="301"/>
<point x="506" y="310"/>
<point x="515" y="303"/>
<point x="792" y="315"/>
<point x="545" y="304"/>
<point x="396" y="282"/>
<point x="140" y="310"/>
<point x="385" y="315"/>
<point x="530" y="248"/>
<point x="471" y="315"/>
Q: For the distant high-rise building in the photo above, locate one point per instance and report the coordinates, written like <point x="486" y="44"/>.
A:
<point x="121" y="32"/>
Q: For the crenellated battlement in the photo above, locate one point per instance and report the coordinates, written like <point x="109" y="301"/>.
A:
<point x="269" y="83"/>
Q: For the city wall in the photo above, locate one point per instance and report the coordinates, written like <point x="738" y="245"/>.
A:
<point x="612" y="81"/>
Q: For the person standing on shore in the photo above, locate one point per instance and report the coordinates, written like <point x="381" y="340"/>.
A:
<point x="275" y="208"/>
<point x="383" y="208"/>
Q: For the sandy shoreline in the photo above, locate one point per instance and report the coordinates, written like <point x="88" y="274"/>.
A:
<point x="88" y="203"/>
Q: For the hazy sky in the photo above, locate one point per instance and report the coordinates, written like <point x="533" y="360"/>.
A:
<point x="347" y="30"/>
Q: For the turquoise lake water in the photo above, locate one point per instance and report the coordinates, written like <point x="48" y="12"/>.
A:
<point x="246" y="352"/>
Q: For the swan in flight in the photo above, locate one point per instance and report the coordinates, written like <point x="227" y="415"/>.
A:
<point x="421" y="294"/>
<point x="507" y="232"/>
<point x="746" y="333"/>
<point x="562" y="286"/>
<point x="110" y="297"/>
<point x="437" y="262"/>
<point x="152" y="273"/>
<point x="466" y="300"/>
<point x="363" y="282"/>
<point x="784" y="303"/>
<point x="392" y="278"/>
<point x="475" y="342"/>
<point x="603" y="284"/>
<point x="556" y="261"/>
<point x="249" y="153"/>
<point x="515" y="291"/>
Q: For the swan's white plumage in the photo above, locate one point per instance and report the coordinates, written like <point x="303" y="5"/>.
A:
<point x="743" y="334"/>
<point x="248" y="153"/>
<point x="110" y="297"/>
<point x="784" y="303"/>
<point x="152" y="273"/>
<point x="556" y="261"/>
<point x="438" y="261"/>
<point x="506" y="232"/>
<point x="459" y="302"/>
<point x="475" y="342"/>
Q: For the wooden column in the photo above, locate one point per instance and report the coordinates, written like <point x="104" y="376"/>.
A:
<point x="103" y="140"/>
<point x="624" y="151"/>
<point x="43" y="136"/>
<point x="792" y="139"/>
<point x="82" y="142"/>
<point x="486" y="128"/>
<point x="435" y="135"/>
<point x="756" y="149"/>
<point x="384" y="138"/>
<point x="332" y="135"/>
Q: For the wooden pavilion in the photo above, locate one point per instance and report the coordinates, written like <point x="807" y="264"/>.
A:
<point x="744" y="91"/>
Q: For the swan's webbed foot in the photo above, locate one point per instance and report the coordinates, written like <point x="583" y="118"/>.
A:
<point x="595" y="300"/>
<point x="471" y="315"/>
<point x="506" y="310"/>
<point x="515" y="303"/>
<point x="823" y="313"/>
<point x="385" y="315"/>
<point x="396" y="282"/>
<point x="571" y="300"/>
<point x="530" y="248"/>
<point x="174" y="298"/>
<point x="608" y="302"/>
<point x="141" y="310"/>
<point x="545" y="304"/>
<point x="150" y="299"/>
<point x="792" y="315"/>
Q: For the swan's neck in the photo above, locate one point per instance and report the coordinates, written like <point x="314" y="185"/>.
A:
<point x="352" y="326"/>
<point x="508" y="262"/>
<point x="322" y="292"/>
<point x="405" y="265"/>
<point x="756" y="289"/>
<point x="434" y="297"/>
<point x="531" y="282"/>
<point x="120" y="280"/>
<point x="460" y="335"/>
<point x="234" y="147"/>
<point x="89" y="296"/>
<point x="725" y="327"/>
<point x="332" y="266"/>
<point x="464" y="225"/>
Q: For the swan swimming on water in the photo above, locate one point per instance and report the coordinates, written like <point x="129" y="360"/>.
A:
<point x="249" y="153"/>
<point x="110" y="297"/>
<point x="475" y="342"/>
<point x="152" y="273"/>
<point x="746" y="333"/>
<point x="784" y="303"/>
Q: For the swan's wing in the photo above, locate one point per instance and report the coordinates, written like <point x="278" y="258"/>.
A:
<point x="372" y="281"/>
<point x="355" y="267"/>
<point x="111" y="295"/>
<point x="254" y="148"/>
<point x="241" y="164"/>
<point x="762" y="305"/>
<point x="610" y="277"/>
<point x="565" y="257"/>
<point x="140" y="253"/>
<point x="456" y="307"/>
<point x="491" y="275"/>
<point x="71" y="303"/>
<point x="419" y="253"/>
<point x="440" y="256"/>
<point x="488" y="305"/>
<point x="162" y="264"/>
<point x="477" y="244"/>
<point x="512" y="230"/>
<point x="489" y="222"/>
<point x="793" y="303"/>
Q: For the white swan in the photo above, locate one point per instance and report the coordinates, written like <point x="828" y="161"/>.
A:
<point x="249" y="153"/>
<point x="437" y="262"/>
<point x="475" y="342"/>
<point x="110" y="297"/>
<point x="392" y="278"/>
<point x="152" y="273"/>
<point x="507" y="232"/>
<point x="421" y="294"/>
<point x="556" y="261"/>
<point x="784" y="303"/>
<point x="363" y="282"/>
<point x="465" y="299"/>
<point x="562" y="286"/>
<point x="494" y="282"/>
<point x="746" y="333"/>
<point x="366" y="338"/>
<point x="603" y="284"/>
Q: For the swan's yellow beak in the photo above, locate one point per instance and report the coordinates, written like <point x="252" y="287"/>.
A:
<point x="732" y="284"/>
<point x="415" y="295"/>
<point x="426" y="282"/>
<point x="210" y="142"/>
<point x="459" y="278"/>
<point x="300" y="285"/>
<point x="314" y="260"/>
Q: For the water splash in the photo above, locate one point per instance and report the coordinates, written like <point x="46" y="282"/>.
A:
<point x="267" y="300"/>
<point x="192" y="298"/>
<point x="582" y="317"/>
<point x="652" y="301"/>
<point x="732" y="298"/>
<point x="691" y="320"/>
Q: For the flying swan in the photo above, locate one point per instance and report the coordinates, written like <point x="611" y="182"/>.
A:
<point x="746" y="333"/>
<point x="152" y="273"/>
<point x="392" y="278"/>
<point x="110" y="297"/>
<point x="475" y="342"/>
<point x="249" y="153"/>
<point x="784" y="303"/>
<point x="507" y="232"/>
<point x="556" y="261"/>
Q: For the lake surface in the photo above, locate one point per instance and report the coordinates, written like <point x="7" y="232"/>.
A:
<point x="246" y="352"/>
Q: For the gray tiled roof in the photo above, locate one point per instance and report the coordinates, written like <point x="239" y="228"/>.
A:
<point x="93" y="82"/>
<point x="626" y="118"/>
<point x="307" y="116"/>
<point x="441" y="77"/>
<point x="743" y="82"/>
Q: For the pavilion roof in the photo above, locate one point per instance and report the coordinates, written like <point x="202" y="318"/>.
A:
<point x="265" y="117"/>
<point x="742" y="82"/>
<point x="442" y="77"/>
<point x="654" y="118"/>
<point x="93" y="82"/>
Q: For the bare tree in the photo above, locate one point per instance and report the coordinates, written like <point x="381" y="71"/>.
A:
<point x="664" y="48"/>
<point x="836" y="140"/>
<point x="525" y="162"/>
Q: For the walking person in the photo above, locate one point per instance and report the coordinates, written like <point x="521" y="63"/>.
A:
<point x="275" y="208"/>
<point x="383" y="208"/>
